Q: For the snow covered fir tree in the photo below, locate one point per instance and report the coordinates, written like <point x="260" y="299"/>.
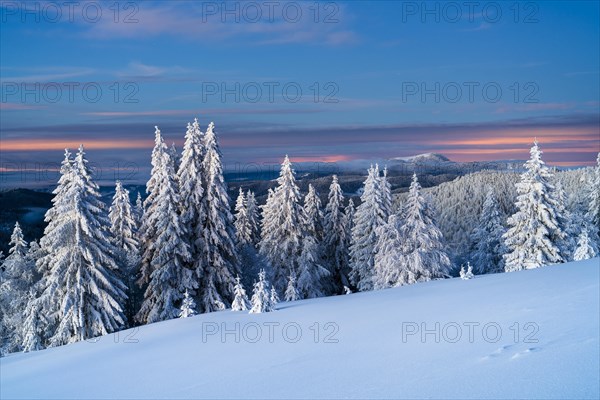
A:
<point x="534" y="232"/>
<point x="105" y="264"/>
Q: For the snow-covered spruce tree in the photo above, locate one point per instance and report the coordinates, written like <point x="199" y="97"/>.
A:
<point x="261" y="301"/>
<point x="246" y="227"/>
<point x="565" y="218"/>
<point x="85" y="290"/>
<point x="174" y="156"/>
<point x="273" y="298"/>
<point x="311" y="273"/>
<point x="586" y="248"/>
<point x="122" y="220"/>
<point x="534" y="234"/>
<point x="282" y="227"/>
<point x="466" y="274"/>
<point x="243" y="234"/>
<point x="386" y="194"/>
<point x="488" y="246"/>
<point x="335" y="244"/>
<point x="349" y="212"/>
<point x="138" y="211"/>
<point x="240" y="300"/>
<point x="388" y="256"/>
<point x="123" y="229"/>
<point x="593" y="212"/>
<point x="166" y="251"/>
<point x="422" y="251"/>
<point x="291" y="293"/>
<point x="369" y="216"/>
<point x="253" y="217"/>
<point x="191" y="179"/>
<point x="313" y="216"/>
<point x="219" y="254"/>
<point x="188" y="306"/>
<point x="41" y="312"/>
<point x="16" y="281"/>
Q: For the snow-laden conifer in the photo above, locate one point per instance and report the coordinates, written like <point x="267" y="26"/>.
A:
<point x="488" y="246"/>
<point x="389" y="271"/>
<point x="273" y="298"/>
<point x="423" y="256"/>
<point x="123" y="225"/>
<point x="335" y="244"/>
<point x="191" y="179"/>
<point x="534" y="233"/>
<point x="261" y="301"/>
<point x="466" y="274"/>
<point x="188" y="306"/>
<point x="166" y="251"/>
<point x="386" y="194"/>
<point x="243" y="233"/>
<point x="586" y="248"/>
<point x="17" y="279"/>
<point x="593" y="211"/>
<point x="253" y="217"/>
<point x="291" y="293"/>
<point x="240" y="300"/>
<point x="219" y="253"/>
<point x="85" y="289"/>
<point x="282" y="227"/>
<point x="369" y="216"/>
<point x="40" y="315"/>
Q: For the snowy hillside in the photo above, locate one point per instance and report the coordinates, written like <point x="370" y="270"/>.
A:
<point x="534" y="334"/>
<point x="427" y="157"/>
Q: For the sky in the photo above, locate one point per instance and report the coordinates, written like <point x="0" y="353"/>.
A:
<point x="320" y="81"/>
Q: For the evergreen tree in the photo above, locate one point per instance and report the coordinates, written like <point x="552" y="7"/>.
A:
<point x="466" y="274"/>
<point x="166" y="252"/>
<point x="16" y="281"/>
<point x="488" y="246"/>
<point x="243" y="232"/>
<point x="291" y="293"/>
<point x="311" y="273"/>
<point x="41" y="313"/>
<point x="369" y="216"/>
<point x="219" y="255"/>
<point x="313" y="216"/>
<point x="534" y="233"/>
<point x="240" y="301"/>
<point x="253" y="217"/>
<point x="336" y="246"/>
<point x="122" y="220"/>
<point x="188" y="306"/>
<point x="423" y="255"/>
<point x="594" y="197"/>
<point x="282" y="227"/>
<point x="123" y="229"/>
<point x="174" y="156"/>
<point x="191" y="178"/>
<point x="388" y="257"/>
<point x="386" y="194"/>
<point x="138" y="211"/>
<point x="586" y="248"/>
<point x="273" y="299"/>
<point x="261" y="301"/>
<point x="85" y="288"/>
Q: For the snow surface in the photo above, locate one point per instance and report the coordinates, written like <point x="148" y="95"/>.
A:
<point x="179" y="359"/>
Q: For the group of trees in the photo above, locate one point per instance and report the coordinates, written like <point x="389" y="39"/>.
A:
<point x="182" y="251"/>
<point x="545" y="228"/>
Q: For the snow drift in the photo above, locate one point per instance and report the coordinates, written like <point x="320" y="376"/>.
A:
<point x="528" y="334"/>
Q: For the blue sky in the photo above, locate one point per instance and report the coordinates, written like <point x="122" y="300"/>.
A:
<point x="523" y="69"/>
